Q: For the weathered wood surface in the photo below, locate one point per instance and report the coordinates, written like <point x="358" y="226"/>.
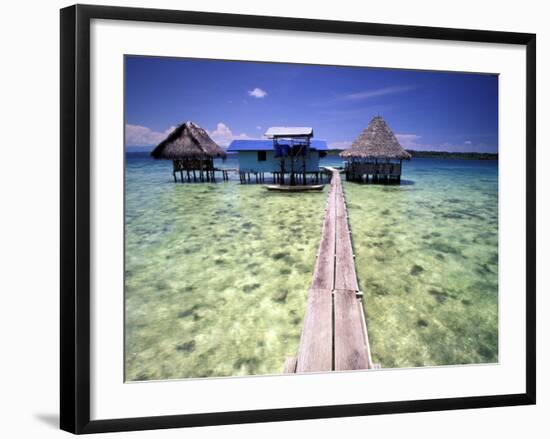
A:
<point x="350" y="350"/>
<point x="345" y="276"/>
<point x="335" y="335"/>
<point x="323" y="275"/>
<point x="315" y="353"/>
<point x="370" y="364"/>
<point x="290" y="365"/>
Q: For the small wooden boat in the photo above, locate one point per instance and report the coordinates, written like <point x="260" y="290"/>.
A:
<point x="295" y="188"/>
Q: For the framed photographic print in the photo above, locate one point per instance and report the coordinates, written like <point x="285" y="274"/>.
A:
<point x="268" y="218"/>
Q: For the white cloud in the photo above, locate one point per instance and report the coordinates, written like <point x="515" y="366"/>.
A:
<point x="257" y="93"/>
<point x="223" y="135"/>
<point x="409" y="141"/>
<point x="340" y="145"/>
<point x="258" y="127"/>
<point x="362" y="95"/>
<point x="139" y="135"/>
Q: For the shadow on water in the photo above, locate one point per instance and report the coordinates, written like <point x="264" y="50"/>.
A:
<point x="407" y="183"/>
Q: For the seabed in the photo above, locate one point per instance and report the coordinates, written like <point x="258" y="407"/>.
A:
<point x="217" y="274"/>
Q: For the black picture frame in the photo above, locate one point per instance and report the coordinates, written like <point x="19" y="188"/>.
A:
<point x="75" y="217"/>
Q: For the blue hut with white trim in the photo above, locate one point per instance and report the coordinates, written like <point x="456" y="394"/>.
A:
<point x="288" y="151"/>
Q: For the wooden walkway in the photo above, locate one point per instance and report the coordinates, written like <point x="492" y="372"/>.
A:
<point x="334" y="336"/>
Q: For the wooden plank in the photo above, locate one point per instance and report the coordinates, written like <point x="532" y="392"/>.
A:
<point x="290" y="365"/>
<point x="323" y="275"/>
<point x="345" y="275"/>
<point x="350" y="351"/>
<point x="315" y="353"/>
<point x="347" y="348"/>
<point x="365" y="331"/>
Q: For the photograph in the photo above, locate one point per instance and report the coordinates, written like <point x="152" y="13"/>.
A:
<point x="275" y="220"/>
<point x="299" y="218"/>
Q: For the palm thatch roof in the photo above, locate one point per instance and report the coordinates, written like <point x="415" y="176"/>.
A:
<point x="188" y="141"/>
<point x="377" y="141"/>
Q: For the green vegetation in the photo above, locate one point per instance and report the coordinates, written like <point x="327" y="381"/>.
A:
<point x="453" y="155"/>
<point x="438" y="154"/>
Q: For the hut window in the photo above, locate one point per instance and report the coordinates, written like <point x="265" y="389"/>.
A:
<point x="262" y="156"/>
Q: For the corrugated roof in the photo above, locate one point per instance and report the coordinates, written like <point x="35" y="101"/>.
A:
<point x="267" y="145"/>
<point x="288" y="131"/>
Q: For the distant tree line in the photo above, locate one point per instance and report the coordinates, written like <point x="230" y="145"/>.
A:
<point x="454" y="155"/>
<point x="441" y="154"/>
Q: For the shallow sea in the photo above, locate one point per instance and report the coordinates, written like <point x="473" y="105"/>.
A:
<point x="217" y="274"/>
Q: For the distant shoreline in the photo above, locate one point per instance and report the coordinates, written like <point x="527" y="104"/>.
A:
<point x="442" y="154"/>
<point x="453" y="155"/>
<point x="414" y="154"/>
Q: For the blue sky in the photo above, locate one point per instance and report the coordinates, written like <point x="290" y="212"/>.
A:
<point x="230" y="99"/>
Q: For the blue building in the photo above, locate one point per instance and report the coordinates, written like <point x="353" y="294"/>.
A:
<point x="295" y="156"/>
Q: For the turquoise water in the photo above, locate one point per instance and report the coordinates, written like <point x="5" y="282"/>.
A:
<point x="217" y="274"/>
<point x="427" y="262"/>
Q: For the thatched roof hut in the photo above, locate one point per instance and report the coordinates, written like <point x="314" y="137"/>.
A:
<point x="376" y="142"/>
<point x="188" y="141"/>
